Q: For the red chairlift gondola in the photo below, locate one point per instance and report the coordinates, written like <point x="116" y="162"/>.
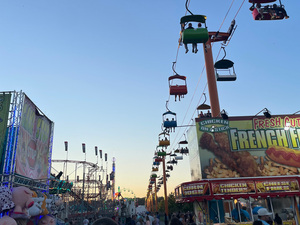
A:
<point x="177" y="89"/>
<point x="267" y="12"/>
<point x="177" y="85"/>
<point x="158" y="160"/>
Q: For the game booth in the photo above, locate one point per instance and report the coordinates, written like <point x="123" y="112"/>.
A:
<point x="216" y="200"/>
<point x="241" y="164"/>
<point x="28" y="193"/>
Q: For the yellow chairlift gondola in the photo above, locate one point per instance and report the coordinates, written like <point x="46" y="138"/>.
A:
<point x="154" y="169"/>
<point x="164" y="139"/>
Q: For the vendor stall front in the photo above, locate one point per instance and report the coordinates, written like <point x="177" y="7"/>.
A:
<point x="237" y="200"/>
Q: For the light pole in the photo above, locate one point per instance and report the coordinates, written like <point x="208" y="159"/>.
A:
<point x="66" y="178"/>
<point x="165" y="187"/>
<point x="83" y="180"/>
<point x="156" y="206"/>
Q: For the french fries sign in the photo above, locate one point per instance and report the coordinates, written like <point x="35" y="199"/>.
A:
<point x="249" y="146"/>
<point x="277" y="186"/>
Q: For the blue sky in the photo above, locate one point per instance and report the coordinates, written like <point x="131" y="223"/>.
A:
<point x="99" y="70"/>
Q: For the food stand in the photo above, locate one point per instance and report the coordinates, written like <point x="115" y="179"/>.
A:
<point x="241" y="164"/>
<point x="214" y="199"/>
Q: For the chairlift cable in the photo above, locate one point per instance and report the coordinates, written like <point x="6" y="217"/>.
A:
<point x="239" y="9"/>
<point x="176" y="58"/>
<point x="192" y="101"/>
<point x="226" y="15"/>
<point x="177" y="53"/>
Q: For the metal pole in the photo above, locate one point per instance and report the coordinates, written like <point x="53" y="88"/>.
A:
<point x="156" y="206"/>
<point x="211" y="79"/>
<point x="65" y="172"/>
<point x="165" y="188"/>
<point x="83" y="179"/>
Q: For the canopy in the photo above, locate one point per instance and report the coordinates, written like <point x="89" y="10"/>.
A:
<point x="193" y="18"/>
<point x="169" y="112"/>
<point x="177" y="77"/>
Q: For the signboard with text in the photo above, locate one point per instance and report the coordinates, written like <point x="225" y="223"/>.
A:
<point x="195" y="189"/>
<point x="240" y="187"/>
<point x="249" y="146"/>
<point x="229" y="188"/>
<point x="277" y="186"/>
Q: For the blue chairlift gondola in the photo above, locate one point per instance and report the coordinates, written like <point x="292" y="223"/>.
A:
<point x="169" y="119"/>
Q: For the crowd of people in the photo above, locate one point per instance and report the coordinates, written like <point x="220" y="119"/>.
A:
<point x="238" y="215"/>
<point x="141" y="219"/>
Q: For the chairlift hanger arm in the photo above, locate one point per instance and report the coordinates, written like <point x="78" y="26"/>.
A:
<point x="187" y="8"/>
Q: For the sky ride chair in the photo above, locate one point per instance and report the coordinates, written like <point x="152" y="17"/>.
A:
<point x="156" y="163"/>
<point x="169" y="120"/>
<point x="158" y="160"/>
<point x="154" y="169"/>
<point x="183" y="146"/>
<point x="224" y="69"/>
<point x="267" y="12"/>
<point x="163" y="139"/>
<point x="197" y="35"/>
<point x="160" y="152"/>
<point x="177" y="85"/>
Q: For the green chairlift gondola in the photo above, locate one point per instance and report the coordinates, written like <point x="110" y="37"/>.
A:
<point x="197" y="35"/>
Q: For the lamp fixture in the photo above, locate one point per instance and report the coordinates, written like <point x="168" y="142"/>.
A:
<point x="296" y="112"/>
<point x="224" y="114"/>
<point x="266" y="113"/>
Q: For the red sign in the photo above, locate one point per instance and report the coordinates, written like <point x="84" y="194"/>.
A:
<point x="233" y="187"/>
